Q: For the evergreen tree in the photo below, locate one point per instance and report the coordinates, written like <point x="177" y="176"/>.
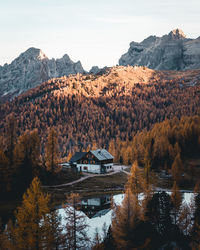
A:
<point x="52" y="151"/>
<point x="196" y="224"/>
<point x="30" y="227"/>
<point x="158" y="213"/>
<point x="76" y="226"/>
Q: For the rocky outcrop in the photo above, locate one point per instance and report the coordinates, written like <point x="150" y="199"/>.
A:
<point x="169" y="52"/>
<point x="32" y="68"/>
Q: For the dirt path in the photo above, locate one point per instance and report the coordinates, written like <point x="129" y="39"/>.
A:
<point x="84" y="178"/>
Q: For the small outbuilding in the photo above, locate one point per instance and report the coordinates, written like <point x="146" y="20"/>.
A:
<point x="95" y="161"/>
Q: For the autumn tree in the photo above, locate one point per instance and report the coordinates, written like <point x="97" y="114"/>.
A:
<point x="5" y="175"/>
<point x="177" y="169"/>
<point x="127" y="223"/>
<point x="27" y="156"/>
<point x="135" y="181"/>
<point x="53" y="231"/>
<point x="52" y="151"/>
<point x="76" y="225"/>
<point x="185" y="219"/>
<point x="30" y="227"/>
<point x="11" y="136"/>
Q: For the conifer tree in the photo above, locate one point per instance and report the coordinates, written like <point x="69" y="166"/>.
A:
<point x="27" y="156"/>
<point x="76" y="226"/>
<point x="125" y="220"/>
<point x="11" y="137"/>
<point x="5" y="175"/>
<point x="30" y="227"/>
<point x="135" y="180"/>
<point x="176" y="199"/>
<point x="196" y="223"/>
<point x="185" y="219"/>
<point x="52" y="151"/>
<point x="177" y="169"/>
<point x="53" y="231"/>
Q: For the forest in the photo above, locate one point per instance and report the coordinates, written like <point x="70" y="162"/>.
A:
<point x="164" y="147"/>
<point x="91" y="110"/>
<point x="143" y="117"/>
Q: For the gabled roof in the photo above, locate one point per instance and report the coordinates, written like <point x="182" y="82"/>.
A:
<point x="77" y="156"/>
<point x="102" y="154"/>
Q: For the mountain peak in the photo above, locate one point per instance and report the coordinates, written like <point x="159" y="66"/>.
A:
<point x="177" y="34"/>
<point x="34" y="53"/>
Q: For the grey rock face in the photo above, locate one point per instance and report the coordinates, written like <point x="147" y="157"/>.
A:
<point x="32" y="68"/>
<point x="169" y="52"/>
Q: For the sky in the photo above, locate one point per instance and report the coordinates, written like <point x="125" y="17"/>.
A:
<point x="94" y="32"/>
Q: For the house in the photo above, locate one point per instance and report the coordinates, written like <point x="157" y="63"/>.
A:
<point x="95" y="161"/>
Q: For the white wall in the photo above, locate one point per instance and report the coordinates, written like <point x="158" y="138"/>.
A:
<point x="90" y="168"/>
<point x="109" y="167"/>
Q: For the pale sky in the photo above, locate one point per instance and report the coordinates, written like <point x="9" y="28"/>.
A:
<point x="96" y="32"/>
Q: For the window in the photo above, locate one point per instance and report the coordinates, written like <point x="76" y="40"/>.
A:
<point x="85" y="168"/>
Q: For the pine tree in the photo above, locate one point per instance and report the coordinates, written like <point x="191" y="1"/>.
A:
<point x="176" y="199"/>
<point x="158" y="213"/>
<point x="52" y="151"/>
<point x="76" y="226"/>
<point x="29" y="228"/>
<point x="196" y="224"/>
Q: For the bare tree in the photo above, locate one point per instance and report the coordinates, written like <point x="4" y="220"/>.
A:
<point x="76" y="225"/>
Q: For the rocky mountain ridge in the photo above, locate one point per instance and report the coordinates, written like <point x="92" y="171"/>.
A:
<point x="32" y="68"/>
<point x="169" y="52"/>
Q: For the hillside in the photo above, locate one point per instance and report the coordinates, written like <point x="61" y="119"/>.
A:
<point x="93" y="109"/>
<point x="169" y="52"/>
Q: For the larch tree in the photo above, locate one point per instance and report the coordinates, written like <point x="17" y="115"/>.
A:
<point x="30" y="227"/>
<point x="185" y="219"/>
<point x="11" y="137"/>
<point x="76" y="225"/>
<point x="135" y="181"/>
<point x="52" y="151"/>
<point x="27" y="156"/>
<point x="126" y="219"/>
<point x="5" y="177"/>
<point x="177" y="169"/>
<point x="53" y="233"/>
<point x="176" y="199"/>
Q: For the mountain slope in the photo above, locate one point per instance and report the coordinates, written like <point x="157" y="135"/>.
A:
<point x="88" y="109"/>
<point x="32" y="68"/>
<point x="169" y="52"/>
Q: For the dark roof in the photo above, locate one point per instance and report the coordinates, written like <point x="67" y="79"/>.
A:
<point x="102" y="154"/>
<point x="77" y="156"/>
